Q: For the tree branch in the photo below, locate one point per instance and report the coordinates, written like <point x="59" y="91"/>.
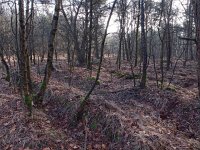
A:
<point x="188" y="39"/>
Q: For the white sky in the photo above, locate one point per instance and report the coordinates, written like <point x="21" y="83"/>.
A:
<point x="176" y="4"/>
<point x="113" y="27"/>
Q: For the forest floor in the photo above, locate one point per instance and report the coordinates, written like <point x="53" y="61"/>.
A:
<point x="119" y="115"/>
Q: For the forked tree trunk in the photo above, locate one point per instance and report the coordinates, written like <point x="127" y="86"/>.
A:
<point x="38" y="99"/>
<point x="24" y="68"/>
<point x="80" y="51"/>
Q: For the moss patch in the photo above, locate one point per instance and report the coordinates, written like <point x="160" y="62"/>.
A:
<point x="43" y="85"/>
<point x="28" y="101"/>
<point x="93" y="79"/>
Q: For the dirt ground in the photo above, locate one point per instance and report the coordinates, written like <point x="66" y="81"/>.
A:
<point x="119" y="115"/>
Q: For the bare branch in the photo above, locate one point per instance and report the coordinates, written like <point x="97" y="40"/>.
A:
<point x="188" y="39"/>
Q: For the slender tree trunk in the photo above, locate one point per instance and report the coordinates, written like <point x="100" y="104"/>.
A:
<point x="84" y="44"/>
<point x="96" y="37"/>
<point x="150" y="45"/>
<point x="33" y="59"/>
<point x="137" y="34"/>
<point x="169" y="41"/>
<point x="27" y="33"/>
<point x="143" y="47"/>
<point x="120" y="47"/>
<point x="40" y="95"/>
<point x="196" y="9"/>
<point x="169" y="47"/>
<point x="80" y="111"/>
<point x="189" y="33"/>
<point x="162" y="42"/>
<point x="162" y="61"/>
<point x="17" y="35"/>
<point x="23" y="63"/>
<point x="89" y="55"/>
<point x="43" y="48"/>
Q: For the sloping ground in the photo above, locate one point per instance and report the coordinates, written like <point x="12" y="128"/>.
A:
<point x="41" y="131"/>
<point x="17" y="131"/>
<point x="139" y="120"/>
<point x="119" y="115"/>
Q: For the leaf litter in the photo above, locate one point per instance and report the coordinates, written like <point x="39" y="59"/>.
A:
<point x="119" y="115"/>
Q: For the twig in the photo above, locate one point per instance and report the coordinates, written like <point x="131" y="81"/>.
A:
<point x="86" y="135"/>
<point x="173" y="72"/>
<point x="154" y="66"/>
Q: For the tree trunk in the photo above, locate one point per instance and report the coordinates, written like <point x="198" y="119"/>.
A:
<point x="80" y="110"/>
<point x="196" y="9"/>
<point x="40" y="95"/>
<point x="189" y="33"/>
<point x="162" y="42"/>
<point x="24" y="68"/>
<point x="143" y="47"/>
<point x="169" y="41"/>
<point x="27" y="33"/>
<point x="120" y="47"/>
<point x="96" y="37"/>
<point x="137" y="34"/>
<point x="80" y="52"/>
<point x="89" y="55"/>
